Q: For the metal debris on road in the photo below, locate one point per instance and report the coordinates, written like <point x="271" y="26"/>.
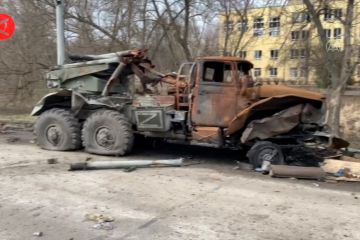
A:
<point x="99" y="218"/>
<point x="297" y="172"/>
<point x="243" y="166"/>
<point x="125" y="164"/>
<point x="104" y="226"/>
<point x="38" y="234"/>
<point x="343" y="170"/>
<point x="52" y="161"/>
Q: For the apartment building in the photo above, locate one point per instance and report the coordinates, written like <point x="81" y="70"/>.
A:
<point x="283" y="42"/>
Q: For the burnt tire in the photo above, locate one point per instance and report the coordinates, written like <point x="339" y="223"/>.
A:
<point x="58" y="130"/>
<point x="107" y="132"/>
<point x="265" y="151"/>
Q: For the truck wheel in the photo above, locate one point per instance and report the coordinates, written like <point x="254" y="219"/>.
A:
<point x="107" y="132"/>
<point x="265" y="151"/>
<point x="58" y="130"/>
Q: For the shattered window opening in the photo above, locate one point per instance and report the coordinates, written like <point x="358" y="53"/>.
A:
<point x="217" y="72"/>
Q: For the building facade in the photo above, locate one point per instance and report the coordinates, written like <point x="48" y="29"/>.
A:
<point x="283" y="42"/>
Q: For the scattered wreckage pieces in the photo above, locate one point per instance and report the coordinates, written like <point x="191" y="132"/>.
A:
<point x="268" y="127"/>
<point x="93" y="165"/>
<point x="102" y="221"/>
<point x="38" y="234"/>
<point x="283" y="171"/>
<point x="99" y="218"/>
<point x="52" y="161"/>
<point x="343" y="170"/>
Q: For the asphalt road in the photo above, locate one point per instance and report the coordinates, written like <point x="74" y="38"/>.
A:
<point x="208" y="201"/>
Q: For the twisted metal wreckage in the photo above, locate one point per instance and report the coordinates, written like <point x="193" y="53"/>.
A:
<point x="211" y="102"/>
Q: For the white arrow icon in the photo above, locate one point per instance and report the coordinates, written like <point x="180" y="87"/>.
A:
<point x="4" y="23"/>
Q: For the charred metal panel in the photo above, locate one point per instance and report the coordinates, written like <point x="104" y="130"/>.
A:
<point x="268" y="106"/>
<point x="215" y="95"/>
<point x="211" y="135"/>
<point x="277" y="124"/>
<point x="268" y="91"/>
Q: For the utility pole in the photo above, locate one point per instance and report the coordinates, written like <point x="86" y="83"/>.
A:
<point x="60" y="32"/>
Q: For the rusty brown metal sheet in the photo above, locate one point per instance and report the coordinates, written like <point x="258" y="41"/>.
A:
<point x="267" y="91"/>
<point x="273" y="98"/>
<point x="225" y="59"/>
<point x="207" y="134"/>
<point x="277" y="124"/>
<point x="215" y="105"/>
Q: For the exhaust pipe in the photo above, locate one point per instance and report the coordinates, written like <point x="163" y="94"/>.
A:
<point x="60" y="40"/>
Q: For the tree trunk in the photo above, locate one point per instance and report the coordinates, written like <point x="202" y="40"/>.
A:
<point x="339" y="86"/>
<point x="334" y="101"/>
<point x="339" y="77"/>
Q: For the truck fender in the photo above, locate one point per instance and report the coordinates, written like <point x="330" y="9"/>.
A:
<point x="61" y="98"/>
<point x="72" y="100"/>
<point x="271" y="104"/>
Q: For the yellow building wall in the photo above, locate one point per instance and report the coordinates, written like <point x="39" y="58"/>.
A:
<point x="283" y="42"/>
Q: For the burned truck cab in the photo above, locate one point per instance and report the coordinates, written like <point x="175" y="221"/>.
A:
<point x="219" y="90"/>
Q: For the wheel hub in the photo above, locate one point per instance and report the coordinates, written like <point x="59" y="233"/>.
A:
<point x="104" y="137"/>
<point x="53" y="135"/>
<point x="267" y="154"/>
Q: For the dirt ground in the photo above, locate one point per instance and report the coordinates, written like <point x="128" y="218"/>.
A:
<point x="207" y="201"/>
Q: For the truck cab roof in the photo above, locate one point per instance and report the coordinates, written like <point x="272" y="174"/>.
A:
<point x="226" y="59"/>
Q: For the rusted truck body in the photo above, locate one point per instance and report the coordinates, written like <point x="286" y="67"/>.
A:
<point x="214" y="104"/>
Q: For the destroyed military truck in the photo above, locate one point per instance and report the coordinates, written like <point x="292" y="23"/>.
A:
<point x="215" y="103"/>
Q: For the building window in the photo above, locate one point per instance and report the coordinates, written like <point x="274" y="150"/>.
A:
<point x="328" y="33"/>
<point x="300" y="17"/>
<point x="242" y="54"/>
<point x="332" y="14"/>
<point x="257" y="72"/>
<point x="303" y="53"/>
<point x="294" y="53"/>
<point x="273" y="72"/>
<point x="258" y="54"/>
<point x="243" y="26"/>
<point x="229" y="26"/>
<point x="294" y="72"/>
<point x="327" y="14"/>
<point x="337" y="33"/>
<point x="258" y="27"/>
<point x="337" y="13"/>
<point x="274" y="54"/>
<point x="274" y="26"/>
<point x="304" y="34"/>
<point x="295" y="35"/>
<point x="303" y="71"/>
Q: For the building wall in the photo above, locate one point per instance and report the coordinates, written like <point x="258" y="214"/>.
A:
<point x="350" y="124"/>
<point x="244" y="41"/>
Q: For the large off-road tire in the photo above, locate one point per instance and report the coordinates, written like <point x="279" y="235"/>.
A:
<point x="265" y="151"/>
<point x="107" y="132"/>
<point x="58" y="130"/>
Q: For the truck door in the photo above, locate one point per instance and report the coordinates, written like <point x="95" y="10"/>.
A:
<point x="214" y="95"/>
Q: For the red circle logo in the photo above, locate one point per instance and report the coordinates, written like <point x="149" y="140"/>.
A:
<point x="7" y="26"/>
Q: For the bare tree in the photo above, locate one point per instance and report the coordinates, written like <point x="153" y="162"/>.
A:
<point x="24" y="57"/>
<point x="339" y="74"/>
<point x="173" y="30"/>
